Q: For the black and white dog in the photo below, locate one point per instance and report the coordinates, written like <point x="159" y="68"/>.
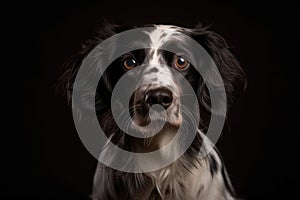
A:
<point x="191" y="176"/>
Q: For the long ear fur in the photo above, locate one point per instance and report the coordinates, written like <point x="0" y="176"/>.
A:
<point x="67" y="78"/>
<point x="231" y="72"/>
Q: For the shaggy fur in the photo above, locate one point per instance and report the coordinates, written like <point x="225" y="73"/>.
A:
<point x="190" y="177"/>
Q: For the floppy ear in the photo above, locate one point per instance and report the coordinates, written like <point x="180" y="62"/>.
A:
<point x="229" y="68"/>
<point x="67" y="78"/>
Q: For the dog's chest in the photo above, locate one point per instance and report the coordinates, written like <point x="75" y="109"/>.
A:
<point x="174" y="183"/>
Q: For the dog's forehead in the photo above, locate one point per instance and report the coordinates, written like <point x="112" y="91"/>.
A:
<point x="163" y="33"/>
<point x="157" y="38"/>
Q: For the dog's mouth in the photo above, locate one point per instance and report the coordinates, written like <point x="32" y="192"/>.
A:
<point x="156" y="106"/>
<point x="155" y="114"/>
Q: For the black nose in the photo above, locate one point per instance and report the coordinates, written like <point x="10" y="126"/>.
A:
<point x="159" y="96"/>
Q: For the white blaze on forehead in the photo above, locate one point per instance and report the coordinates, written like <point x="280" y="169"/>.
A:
<point x="159" y="36"/>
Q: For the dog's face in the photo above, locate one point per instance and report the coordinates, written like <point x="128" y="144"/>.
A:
<point x="159" y="87"/>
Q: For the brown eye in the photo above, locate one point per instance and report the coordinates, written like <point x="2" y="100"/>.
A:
<point x="129" y="63"/>
<point x="180" y="62"/>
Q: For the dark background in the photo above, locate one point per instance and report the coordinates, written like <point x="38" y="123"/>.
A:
<point x="43" y="157"/>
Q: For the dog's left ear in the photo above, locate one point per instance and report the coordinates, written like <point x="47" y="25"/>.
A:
<point x="229" y="68"/>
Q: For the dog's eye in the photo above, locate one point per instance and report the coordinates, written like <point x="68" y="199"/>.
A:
<point x="129" y="63"/>
<point x="180" y="62"/>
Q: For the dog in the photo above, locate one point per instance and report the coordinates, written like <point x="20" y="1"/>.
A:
<point x="193" y="175"/>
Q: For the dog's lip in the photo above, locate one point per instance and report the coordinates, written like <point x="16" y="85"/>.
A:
<point x="176" y="123"/>
<point x="170" y="122"/>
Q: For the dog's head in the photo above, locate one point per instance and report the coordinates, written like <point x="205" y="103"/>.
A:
<point x="158" y="84"/>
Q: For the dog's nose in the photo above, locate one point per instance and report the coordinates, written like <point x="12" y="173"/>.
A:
<point x="159" y="96"/>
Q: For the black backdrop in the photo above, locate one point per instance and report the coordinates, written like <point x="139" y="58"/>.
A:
<point x="43" y="156"/>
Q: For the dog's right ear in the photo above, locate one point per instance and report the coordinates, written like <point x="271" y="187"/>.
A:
<point x="65" y="83"/>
